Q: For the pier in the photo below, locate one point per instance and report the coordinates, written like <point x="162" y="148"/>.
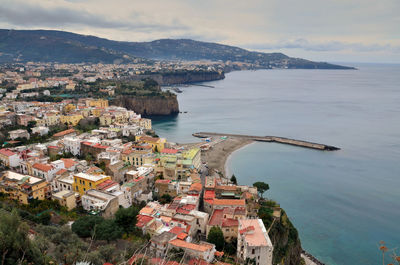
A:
<point x="275" y="139"/>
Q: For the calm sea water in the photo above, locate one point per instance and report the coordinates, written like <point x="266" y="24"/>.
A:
<point x="343" y="203"/>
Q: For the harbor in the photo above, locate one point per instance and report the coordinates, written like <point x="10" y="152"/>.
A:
<point x="276" y="139"/>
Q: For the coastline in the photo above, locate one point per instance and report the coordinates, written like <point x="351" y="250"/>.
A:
<point x="218" y="157"/>
<point x="229" y="157"/>
<point x="220" y="152"/>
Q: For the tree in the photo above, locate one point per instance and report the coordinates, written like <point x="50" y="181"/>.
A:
<point x="15" y="245"/>
<point x="85" y="226"/>
<point x="166" y="198"/>
<point x="216" y="237"/>
<point x="108" y="230"/>
<point x="44" y="218"/>
<point x="233" y="179"/>
<point x="126" y="218"/>
<point x="261" y="187"/>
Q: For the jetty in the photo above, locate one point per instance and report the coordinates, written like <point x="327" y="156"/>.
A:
<point x="275" y="139"/>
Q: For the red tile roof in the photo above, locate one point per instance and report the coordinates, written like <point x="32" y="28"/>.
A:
<point x="7" y="152"/>
<point x="196" y="247"/>
<point x="229" y="202"/>
<point x="42" y="167"/>
<point x="143" y="220"/>
<point x="176" y="230"/>
<point x="63" y="133"/>
<point x="182" y="236"/>
<point x="169" y="151"/>
<point x="163" y="181"/>
<point x="61" y="171"/>
<point x="68" y="163"/>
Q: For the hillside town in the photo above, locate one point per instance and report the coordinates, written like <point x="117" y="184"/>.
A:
<point x="120" y="163"/>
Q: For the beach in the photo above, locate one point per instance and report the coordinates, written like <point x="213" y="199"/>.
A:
<point x="220" y="151"/>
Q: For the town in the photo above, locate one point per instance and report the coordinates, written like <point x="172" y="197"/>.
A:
<point x="93" y="160"/>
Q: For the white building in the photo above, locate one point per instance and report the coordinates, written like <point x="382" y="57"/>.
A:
<point x="9" y="158"/>
<point x="19" y="134"/>
<point x="95" y="200"/>
<point x="72" y="145"/>
<point x="47" y="171"/>
<point x="254" y="242"/>
<point x="41" y="130"/>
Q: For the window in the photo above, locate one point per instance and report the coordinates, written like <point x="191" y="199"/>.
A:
<point x="253" y="251"/>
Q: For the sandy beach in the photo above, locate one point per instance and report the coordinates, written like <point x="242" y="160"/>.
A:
<point x="217" y="156"/>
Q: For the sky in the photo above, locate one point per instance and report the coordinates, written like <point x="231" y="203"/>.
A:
<point x="322" y="30"/>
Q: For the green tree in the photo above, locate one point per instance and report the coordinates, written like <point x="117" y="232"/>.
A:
<point x="233" y="179"/>
<point x="44" y="218"/>
<point x="85" y="226"/>
<point x="126" y="218"/>
<point x="15" y="246"/>
<point x="261" y="187"/>
<point x="108" y="230"/>
<point x="216" y="237"/>
<point x="166" y="198"/>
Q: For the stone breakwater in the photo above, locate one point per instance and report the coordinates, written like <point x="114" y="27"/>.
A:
<point x="275" y="139"/>
<point x="311" y="258"/>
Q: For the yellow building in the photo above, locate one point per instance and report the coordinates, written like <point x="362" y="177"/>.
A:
<point x="137" y="158"/>
<point x="84" y="182"/>
<point x="106" y="119"/>
<point x="100" y="103"/>
<point x="145" y="123"/>
<point x="97" y="112"/>
<point x="66" y="198"/>
<point x="69" y="108"/>
<point x="52" y="119"/>
<point x="22" y="187"/>
<point x="72" y="119"/>
<point x="157" y="144"/>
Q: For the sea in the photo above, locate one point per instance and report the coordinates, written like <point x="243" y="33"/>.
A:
<point x="344" y="202"/>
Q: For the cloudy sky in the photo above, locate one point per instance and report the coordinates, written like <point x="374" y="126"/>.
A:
<point x="326" y="30"/>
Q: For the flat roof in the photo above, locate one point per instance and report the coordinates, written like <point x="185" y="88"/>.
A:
<point x="91" y="177"/>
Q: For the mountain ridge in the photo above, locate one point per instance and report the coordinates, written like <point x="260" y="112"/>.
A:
<point x="68" y="47"/>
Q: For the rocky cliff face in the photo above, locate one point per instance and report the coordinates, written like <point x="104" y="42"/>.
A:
<point x="148" y="106"/>
<point x="286" y="242"/>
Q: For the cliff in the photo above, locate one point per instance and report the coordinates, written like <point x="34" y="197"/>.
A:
<point x="286" y="242"/>
<point x="186" y="77"/>
<point x="149" y="106"/>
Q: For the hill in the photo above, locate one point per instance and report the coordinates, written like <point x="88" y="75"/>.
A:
<point x="66" y="47"/>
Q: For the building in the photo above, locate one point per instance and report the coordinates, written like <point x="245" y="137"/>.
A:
<point x="157" y="144"/>
<point x="99" y="103"/>
<point x="72" y="145"/>
<point x="22" y="187"/>
<point x="47" y="171"/>
<point x="8" y="158"/>
<point x="19" y="134"/>
<point x="100" y="202"/>
<point x="66" y="198"/>
<point x="227" y="220"/>
<point x="72" y="119"/>
<point x="62" y="134"/>
<point x="40" y="130"/>
<point x="84" y="182"/>
<point x="254" y="242"/>
<point x="137" y="158"/>
<point x="159" y="243"/>
<point x="166" y="186"/>
<point x="203" y="250"/>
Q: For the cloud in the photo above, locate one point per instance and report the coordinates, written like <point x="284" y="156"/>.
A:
<point x="330" y="46"/>
<point x="34" y="15"/>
